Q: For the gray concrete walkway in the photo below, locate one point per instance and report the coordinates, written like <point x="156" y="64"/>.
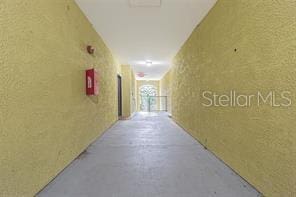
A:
<point x="148" y="156"/>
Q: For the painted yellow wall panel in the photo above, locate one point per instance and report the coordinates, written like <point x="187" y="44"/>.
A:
<point x="46" y="119"/>
<point x="128" y="91"/>
<point x="247" y="46"/>
<point x="165" y="90"/>
<point x="133" y="93"/>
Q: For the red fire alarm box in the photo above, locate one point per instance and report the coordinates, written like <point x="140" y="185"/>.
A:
<point x="92" y="86"/>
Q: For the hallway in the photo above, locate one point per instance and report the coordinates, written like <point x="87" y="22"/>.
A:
<point x="147" y="156"/>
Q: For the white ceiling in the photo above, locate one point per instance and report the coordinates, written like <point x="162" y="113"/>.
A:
<point x="145" y="31"/>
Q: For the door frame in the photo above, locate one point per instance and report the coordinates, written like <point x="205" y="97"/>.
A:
<point x="119" y="95"/>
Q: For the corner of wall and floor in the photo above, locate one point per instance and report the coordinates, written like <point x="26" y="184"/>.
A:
<point x="46" y="119"/>
<point x="247" y="46"/>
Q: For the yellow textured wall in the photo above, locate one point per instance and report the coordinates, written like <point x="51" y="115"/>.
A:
<point x="128" y="91"/>
<point x="140" y="83"/>
<point x="133" y="93"/>
<point x="46" y="119"/>
<point x="165" y="90"/>
<point x="258" y="142"/>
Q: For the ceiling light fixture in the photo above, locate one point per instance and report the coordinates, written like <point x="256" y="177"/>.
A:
<point x="148" y="63"/>
<point x="145" y="3"/>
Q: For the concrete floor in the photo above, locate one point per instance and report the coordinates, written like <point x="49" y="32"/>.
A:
<point x="148" y="156"/>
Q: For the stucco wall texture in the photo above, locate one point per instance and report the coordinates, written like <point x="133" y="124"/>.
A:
<point x="133" y="93"/>
<point x="165" y="90"/>
<point x="247" y="46"/>
<point x="128" y="91"/>
<point x="46" y="119"/>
